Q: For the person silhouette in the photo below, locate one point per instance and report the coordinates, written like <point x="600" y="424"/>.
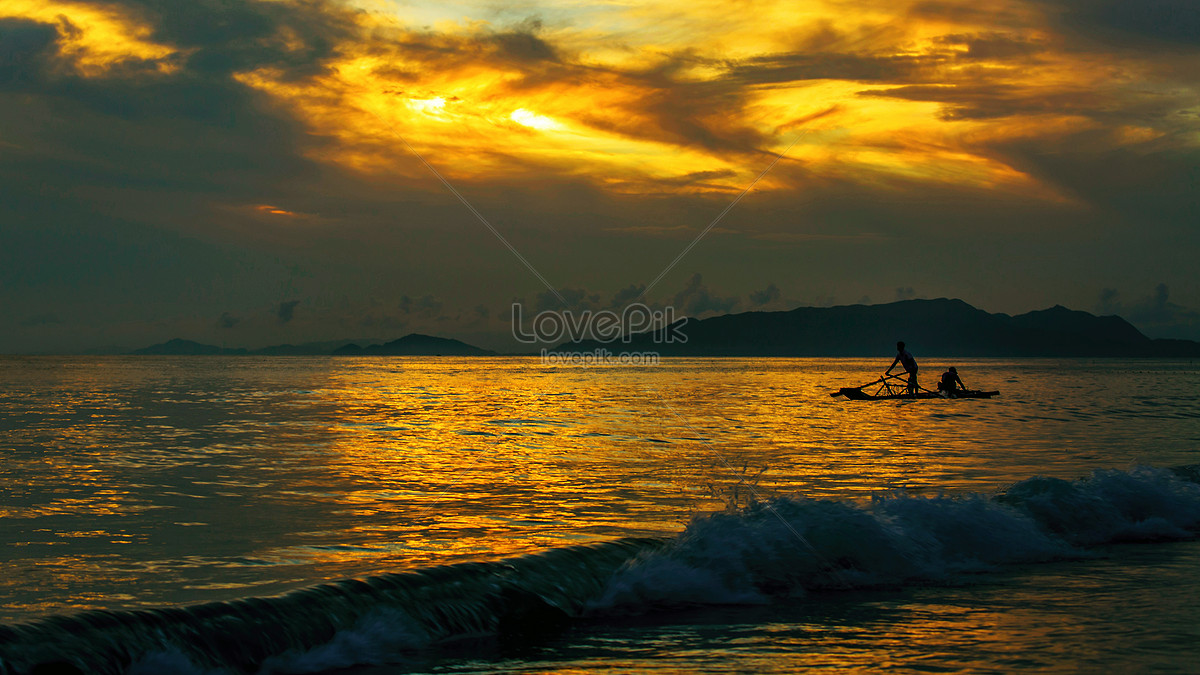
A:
<point x="905" y="359"/>
<point x="951" y="382"/>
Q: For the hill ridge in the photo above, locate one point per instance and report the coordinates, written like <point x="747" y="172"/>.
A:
<point x="940" y="326"/>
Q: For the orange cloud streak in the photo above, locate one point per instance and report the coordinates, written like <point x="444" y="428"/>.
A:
<point x="643" y="97"/>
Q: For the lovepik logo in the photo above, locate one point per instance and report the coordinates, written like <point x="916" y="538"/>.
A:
<point x="553" y="327"/>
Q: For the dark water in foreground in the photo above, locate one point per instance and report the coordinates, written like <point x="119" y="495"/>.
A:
<point x="733" y="517"/>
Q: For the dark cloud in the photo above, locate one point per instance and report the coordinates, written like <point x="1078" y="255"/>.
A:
<point x="677" y="111"/>
<point x="1130" y="23"/>
<point x="968" y="13"/>
<point x="675" y="108"/>
<point x="426" y="306"/>
<point x="1155" y="314"/>
<point x="993" y="46"/>
<point x="577" y="299"/>
<point x="286" y="311"/>
<point x="627" y="295"/>
<point x="799" y="67"/>
<point x="1108" y="303"/>
<point x="131" y="131"/>
<point x="766" y="296"/>
<point x="983" y="100"/>
<point x="27" y="52"/>
<point x="696" y="299"/>
<point x="1158" y="310"/>
<point x="1151" y="183"/>
<point x="226" y="36"/>
<point x="523" y="44"/>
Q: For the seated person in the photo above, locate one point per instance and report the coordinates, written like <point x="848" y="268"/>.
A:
<point x="950" y="382"/>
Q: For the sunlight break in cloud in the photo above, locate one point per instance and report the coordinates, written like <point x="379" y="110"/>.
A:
<point x="273" y="210"/>
<point x="875" y="97"/>
<point x="432" y="106"/>
<point x="534" y="120"/>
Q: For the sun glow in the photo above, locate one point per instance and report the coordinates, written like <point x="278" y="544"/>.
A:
<point x="530" y="119"/>
<point x="431" y="106"/>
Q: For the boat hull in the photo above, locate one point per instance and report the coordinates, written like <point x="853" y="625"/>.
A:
<point x="858" y="395"/>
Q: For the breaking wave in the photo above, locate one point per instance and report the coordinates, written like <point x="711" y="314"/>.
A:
<point x="783" y="548"/>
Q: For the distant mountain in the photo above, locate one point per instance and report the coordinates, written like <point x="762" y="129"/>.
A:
<point x="415" y="344"/>
<point x="410" y="345"/>
<point x="324" y="348"/>
<point x="933" y="327"/>
<point x="178" y="347"/>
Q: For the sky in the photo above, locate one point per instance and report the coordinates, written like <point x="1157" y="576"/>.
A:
<point x="257" y="172"/>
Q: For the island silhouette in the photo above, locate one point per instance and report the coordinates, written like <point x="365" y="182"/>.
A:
<point x="942" y="327"/>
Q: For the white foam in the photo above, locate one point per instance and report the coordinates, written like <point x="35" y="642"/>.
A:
<point x="787" y="547"/>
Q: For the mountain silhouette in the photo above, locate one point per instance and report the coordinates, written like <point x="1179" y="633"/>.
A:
<point x="942" y="327"/>
<point x="179" y="347"/>
<point x="413" y="344"/>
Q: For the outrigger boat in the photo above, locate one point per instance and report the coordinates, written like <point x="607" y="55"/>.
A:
<point x="899" y="390"/>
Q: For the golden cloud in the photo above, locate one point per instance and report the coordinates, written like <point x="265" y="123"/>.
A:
<point x="94" y="39"/>
<point x="640" y="97"/>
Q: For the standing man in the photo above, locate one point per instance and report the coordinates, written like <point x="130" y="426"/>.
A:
<point x="904" y="358"/>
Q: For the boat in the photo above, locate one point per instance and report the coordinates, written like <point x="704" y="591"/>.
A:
<point x="898" y="390"/>
<point x="857" y="394"/>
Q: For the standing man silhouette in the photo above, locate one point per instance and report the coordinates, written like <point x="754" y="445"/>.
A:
<point x="904" y="358"/>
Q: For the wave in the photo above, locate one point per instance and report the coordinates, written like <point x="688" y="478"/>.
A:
<point x="788" y="547"/>
<point x="783" y="548"/>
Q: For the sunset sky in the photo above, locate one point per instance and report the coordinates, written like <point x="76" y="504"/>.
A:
<point x="247" y="173"/>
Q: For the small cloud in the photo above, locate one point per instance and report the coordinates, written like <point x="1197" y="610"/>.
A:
<point x="1155" y="314"/>
<point x="696" y="299"/>
<point x="1108" y="303"/>
<point x="426" y="306"/>
<point x="905" y="293"/>
<point x="576" y="299"/>
<point x="1158" y="308"/>
<point x="627" y="295"/>
<point x="767" y="295"/>
<point x="523" y="44"/>
<point x="286" y="310"/>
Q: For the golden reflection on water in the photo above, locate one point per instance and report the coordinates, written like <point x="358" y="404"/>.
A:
<point x="177" y="480"/>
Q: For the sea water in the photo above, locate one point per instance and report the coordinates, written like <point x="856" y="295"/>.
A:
<point x="701" y="515"/>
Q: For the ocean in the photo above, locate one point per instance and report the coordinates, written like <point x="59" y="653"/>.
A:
<point x="374" y="516"/>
